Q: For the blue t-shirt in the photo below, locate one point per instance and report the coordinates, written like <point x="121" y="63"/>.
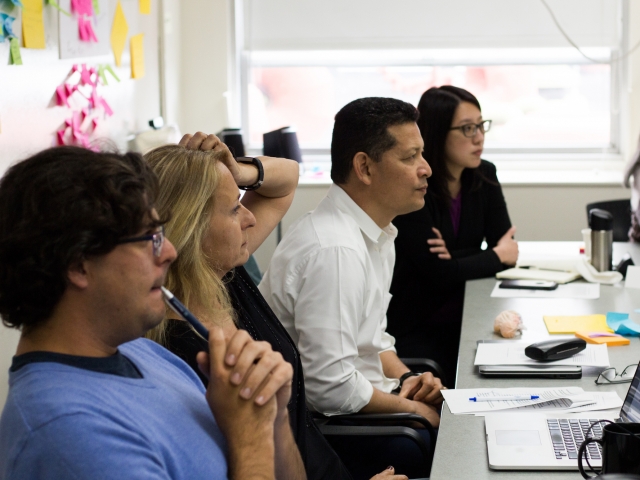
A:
<point x="65" y="422"/>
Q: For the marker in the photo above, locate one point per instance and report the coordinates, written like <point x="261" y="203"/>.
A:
<point x="177" y="306"/>
<point x="505" y="398"/>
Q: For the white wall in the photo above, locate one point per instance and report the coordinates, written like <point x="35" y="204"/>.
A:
<point x="539" y="212"/>
<point x="204" y="53"/>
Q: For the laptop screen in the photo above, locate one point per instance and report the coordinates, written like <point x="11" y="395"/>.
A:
<point x="630" y="411"/>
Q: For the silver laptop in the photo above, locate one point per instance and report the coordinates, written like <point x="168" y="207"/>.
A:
<point x="517" y="441"/>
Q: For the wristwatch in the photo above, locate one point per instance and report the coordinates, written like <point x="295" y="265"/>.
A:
<point x="258" y="164"/>
<point x="407" y="375"/>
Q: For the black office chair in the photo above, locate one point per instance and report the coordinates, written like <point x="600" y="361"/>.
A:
<point x="360" y="441"/>
<point x="621" y="211"/>
<point x="359" y="438"/>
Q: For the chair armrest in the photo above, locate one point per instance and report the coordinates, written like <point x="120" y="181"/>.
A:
<point x="383" y="420"/>
<point x="366" y="431"/>
<point x="425" y="365"/>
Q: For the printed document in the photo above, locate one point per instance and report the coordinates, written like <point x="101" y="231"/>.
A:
<point x="596" y="401"/>
<point x="555" y="398"/>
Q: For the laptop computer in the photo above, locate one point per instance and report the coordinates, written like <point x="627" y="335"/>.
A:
<point x="517" y="441"/>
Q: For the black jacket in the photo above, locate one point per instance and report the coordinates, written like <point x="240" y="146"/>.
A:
<point x="257" y="318"/>
<point x="422" y="283"/>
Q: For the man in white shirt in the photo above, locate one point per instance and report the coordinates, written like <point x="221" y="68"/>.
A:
<point x="329" y="278"/>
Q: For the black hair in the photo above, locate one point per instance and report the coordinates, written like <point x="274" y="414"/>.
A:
<point x="362" y="126"/>
<point x="437" y="108"/>
<point x="57" y="208"/>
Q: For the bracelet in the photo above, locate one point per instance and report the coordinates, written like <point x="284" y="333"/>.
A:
<point x="407" y="375"/>
<point x="258" y="164"/>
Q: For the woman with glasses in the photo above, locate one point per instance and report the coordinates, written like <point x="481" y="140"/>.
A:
<point x="214" y="232"/>
<point x="438" y="248"/>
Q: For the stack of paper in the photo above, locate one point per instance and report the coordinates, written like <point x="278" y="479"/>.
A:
<point x="564" y="399"/>
<point x="513" y="354"/>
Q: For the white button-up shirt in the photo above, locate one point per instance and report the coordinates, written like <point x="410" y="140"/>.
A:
<point x="328" y="283"/>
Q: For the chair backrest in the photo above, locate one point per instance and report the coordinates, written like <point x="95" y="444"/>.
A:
<point x="621" y="211"/>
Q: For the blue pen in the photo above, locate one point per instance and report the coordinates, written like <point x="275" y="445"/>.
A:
<point x="505" y="398"/>
<point x="177" y="306"/>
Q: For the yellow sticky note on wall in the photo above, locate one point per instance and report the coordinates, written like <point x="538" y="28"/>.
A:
<point x="145" y="7"/>
<point x="576" y="323"/>
<point x="137" y="55"/>
<point x="32" y="24"/>
<point x="119" y="31"/>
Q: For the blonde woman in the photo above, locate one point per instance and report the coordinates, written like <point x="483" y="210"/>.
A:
<point x="214" y="233"/>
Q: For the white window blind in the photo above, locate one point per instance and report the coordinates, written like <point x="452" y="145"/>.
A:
<point x="433" y="24"/>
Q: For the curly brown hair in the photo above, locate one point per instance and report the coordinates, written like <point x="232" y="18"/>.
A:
<point x="57" y="208"/>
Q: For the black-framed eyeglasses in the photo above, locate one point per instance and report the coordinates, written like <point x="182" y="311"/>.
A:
<point x="470" y="129"/>
<point x="610" y="375"/>
<point x="156" y="238"/>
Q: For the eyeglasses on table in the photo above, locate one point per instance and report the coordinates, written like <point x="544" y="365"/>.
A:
<point x="610" y="375"/>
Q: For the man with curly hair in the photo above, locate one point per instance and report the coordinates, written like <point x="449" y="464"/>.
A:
<point x="82" y="260"/>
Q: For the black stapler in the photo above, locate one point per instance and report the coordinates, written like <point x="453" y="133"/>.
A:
<point x="555" y="349"/>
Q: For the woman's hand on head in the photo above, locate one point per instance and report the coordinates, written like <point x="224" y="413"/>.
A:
<point x="507" y="248"/>
<point x="243" y="173"/>
<point x="438" y="245"/>
<point x="202" y="141"/>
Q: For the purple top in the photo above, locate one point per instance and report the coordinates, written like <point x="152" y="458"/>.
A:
<point x="454" y="210"/>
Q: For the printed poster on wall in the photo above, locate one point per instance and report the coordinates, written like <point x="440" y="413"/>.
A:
<point x="69" y="37"/>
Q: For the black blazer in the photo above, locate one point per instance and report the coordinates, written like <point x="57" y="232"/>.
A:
<point x="257" y="318"/>
<point x="422" y="282"/>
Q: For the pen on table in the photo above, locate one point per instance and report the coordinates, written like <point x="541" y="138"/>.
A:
<point x="177" y="306"/>
<point x="505" y="398"/>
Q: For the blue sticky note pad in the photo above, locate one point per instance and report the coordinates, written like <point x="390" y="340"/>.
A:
<point x="621" y="324"/>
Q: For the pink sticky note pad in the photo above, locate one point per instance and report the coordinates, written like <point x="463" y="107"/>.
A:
<point x="603" y="334"/>
<point x="107" y="108"/>
<point x="82" y="7"/>
<point x="61" y="96"/>
<point x="60" y="136"/>
<point x="88" y="25"/>
<point x="82" y="31"/>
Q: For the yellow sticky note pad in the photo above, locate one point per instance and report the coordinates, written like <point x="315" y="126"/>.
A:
<point x="137" y="55"/>
<point x="32" y="24"/>
<point x="119" y="31"/>
<point x="576" y="323"/>
<point x="145" y="7"/>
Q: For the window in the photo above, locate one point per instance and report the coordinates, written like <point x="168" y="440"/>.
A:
<point x="303" y="61"/>
<point x="533" y="105"/>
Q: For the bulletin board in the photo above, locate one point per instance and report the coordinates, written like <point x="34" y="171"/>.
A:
<point x="29" y="114"/>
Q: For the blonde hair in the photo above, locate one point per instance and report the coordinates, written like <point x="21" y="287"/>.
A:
<point x="188" y="182"/>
